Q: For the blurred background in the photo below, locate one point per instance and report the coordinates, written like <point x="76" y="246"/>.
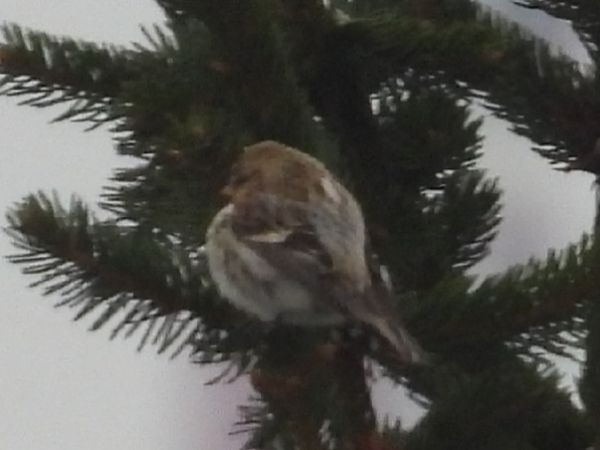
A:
<point x="64" y="388"/>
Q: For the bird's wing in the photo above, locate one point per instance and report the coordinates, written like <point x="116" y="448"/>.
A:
<point x="280" y="231"/>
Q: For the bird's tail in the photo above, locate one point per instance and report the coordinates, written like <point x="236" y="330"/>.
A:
<point x="392" y="330"/>
<point x="377" y="310"/>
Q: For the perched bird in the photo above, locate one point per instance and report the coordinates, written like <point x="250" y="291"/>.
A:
<point x="290" y="246"/>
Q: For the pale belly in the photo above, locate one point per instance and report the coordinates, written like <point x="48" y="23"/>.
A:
<point x="251" y="284"/>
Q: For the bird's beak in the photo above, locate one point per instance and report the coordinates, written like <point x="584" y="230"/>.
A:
<point x="227" y="192"/>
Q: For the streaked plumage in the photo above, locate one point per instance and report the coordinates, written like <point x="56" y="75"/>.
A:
<point x="290" y="246"/>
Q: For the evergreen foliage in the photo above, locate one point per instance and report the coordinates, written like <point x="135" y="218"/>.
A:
<point x="380" y="90"/>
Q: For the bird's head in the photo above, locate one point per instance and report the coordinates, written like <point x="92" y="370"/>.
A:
<point x="272" y="167"/>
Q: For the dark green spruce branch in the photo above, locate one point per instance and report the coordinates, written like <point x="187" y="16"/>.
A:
<point x="533" y="305"/>
<point x="589" y="384"/>
<point x="127" y="274"/>
<point x="489" y="53"/>
<point x="404" y="41"/>
<point x="466" y="239"/>
<point x="437" y="10"/>
<point x="562" y="124"/>
<point x="418" y="150"/>
<point x="49" y="70"/>
<point x="435" y="239"/>
<point x="179" y="200"/>
<point x="428" y="174"/>
<point x="507" y="405"/>
<point x="264" y="83"/>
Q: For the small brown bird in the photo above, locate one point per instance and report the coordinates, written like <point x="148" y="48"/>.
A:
<point x="290" y="246"/>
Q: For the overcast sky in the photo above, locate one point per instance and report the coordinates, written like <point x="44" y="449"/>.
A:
<point x="64" y="388"/>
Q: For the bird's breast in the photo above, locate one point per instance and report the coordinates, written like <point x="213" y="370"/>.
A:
<point x="250" y="282"/>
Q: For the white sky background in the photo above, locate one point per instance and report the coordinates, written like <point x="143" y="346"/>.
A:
<point x="64" y="388"/>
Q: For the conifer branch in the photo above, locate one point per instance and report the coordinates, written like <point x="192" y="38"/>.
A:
<point x="428" y="170"/>
<point x="467" y="238"/>
<point x="266" y="87"/>
<point x="438" y="10"/>
<point x="536" y="304"/>
<point x="498" y="52"/>
<point x="126" y="273"/>
<point x="47" y="70"/>
<point x="509" y="403"/>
